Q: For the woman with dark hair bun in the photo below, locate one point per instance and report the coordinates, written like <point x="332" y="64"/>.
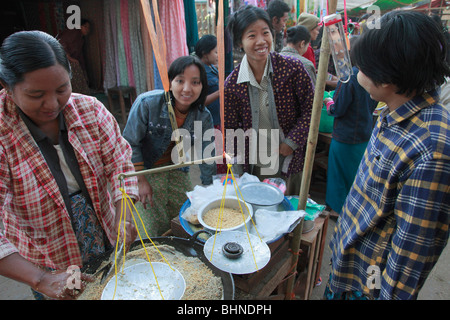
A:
<point x="58" y="153"/>
<point x="206" y="51"/>
<point x="271" y="94"/>
<point x="298" y="39"/>
<point x="149" y="132"/>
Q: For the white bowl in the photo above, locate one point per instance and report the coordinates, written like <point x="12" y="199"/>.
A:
<point x="230" y="202"/>
<point x="262" y="195"/>
<point x="137" y="282"/>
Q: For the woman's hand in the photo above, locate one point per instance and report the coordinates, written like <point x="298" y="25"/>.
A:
<point x="145" y="192"/>
<point x="127" y="227"/>
<point x="285" y="150"/>
<point x="62" y="285"/>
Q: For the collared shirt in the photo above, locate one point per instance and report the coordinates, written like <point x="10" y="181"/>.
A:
<point x="396" y="217"/>
<point x="61" y="161"/>
<point x="259" y="92"/>
<point x="293" y="94"/>
<point x="262" y="100"/>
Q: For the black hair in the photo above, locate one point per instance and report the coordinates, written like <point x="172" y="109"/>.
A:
<point x="408" y="51"/>
<point x="27" y="51"/>
<point x="444" y="30"/>
<point x="205" y="45"/>
<point x="298" y="34"/>
<point x="179" y="65"/>
<point x="244" y="17"/>
<point x="83" y="21"/>
<point x="277" y="8"/>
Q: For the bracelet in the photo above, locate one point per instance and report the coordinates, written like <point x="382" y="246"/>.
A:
<point x="328" y="104"/>
<point x="39" y="281"/>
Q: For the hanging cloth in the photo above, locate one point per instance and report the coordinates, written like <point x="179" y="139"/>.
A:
<point x="148" y="50"/>
<point x="137" y="47"/>
<point x="111" y="74"/>
<point x="174" y="28"/>
<point x="160" y="50"/>
<point x="125" y="29"/>
<point x="190" y="16"/>
<point x="123" y="70"/>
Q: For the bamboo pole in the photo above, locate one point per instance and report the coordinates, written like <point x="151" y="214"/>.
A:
<point x="310" y="149"/>
<point x="122" y="176"/>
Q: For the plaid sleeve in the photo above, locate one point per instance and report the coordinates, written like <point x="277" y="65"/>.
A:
<point x="117" y="153"/>
<point x="6" y="248"/>
<point x="423" y="219"/>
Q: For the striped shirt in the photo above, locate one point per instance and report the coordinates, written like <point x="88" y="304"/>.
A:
<point x="396" y="217"/>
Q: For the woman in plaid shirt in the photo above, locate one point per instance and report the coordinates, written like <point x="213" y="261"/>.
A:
<point x="395" y="221"/>
<point x="58" y="152"/>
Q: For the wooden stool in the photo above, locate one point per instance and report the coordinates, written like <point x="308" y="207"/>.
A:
<point x="121" y="91"/>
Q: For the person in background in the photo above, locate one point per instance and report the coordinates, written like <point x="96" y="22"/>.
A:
<point x="312" y="23"/>
<point x="73" y="41"/>
<point x="352" y="110"/>
<point x="149" y="132"/>
<point x="270" y="94"/>
<point x="445" y="87"/>
<point x="298" y="39"/>
<point x="58" y="153"/>
<point x="395" y="221"/>
<point x="278" y="12"/>
<point x="206" y="51"/>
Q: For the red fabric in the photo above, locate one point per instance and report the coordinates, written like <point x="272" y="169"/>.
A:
<point x="309" y="54"/>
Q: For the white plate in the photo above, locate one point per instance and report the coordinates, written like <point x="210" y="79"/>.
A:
<point x="137" y="282"/>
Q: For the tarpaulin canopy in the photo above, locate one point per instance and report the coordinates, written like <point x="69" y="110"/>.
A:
<point x="384" y="5"/>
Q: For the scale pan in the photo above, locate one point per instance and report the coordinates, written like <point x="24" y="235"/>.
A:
<point x="137" y="282"/>
<point x="243" y="264"/>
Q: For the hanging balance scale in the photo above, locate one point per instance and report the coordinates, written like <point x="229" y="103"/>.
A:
<point x="236" y="252"/>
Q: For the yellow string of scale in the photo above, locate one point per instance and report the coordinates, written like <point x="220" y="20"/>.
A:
<point x="126" y="200"/>
<point x="222" y="207"/>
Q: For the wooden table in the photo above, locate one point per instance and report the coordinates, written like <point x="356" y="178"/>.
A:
<point x="270" y="281"/>
<point x="310" y="263"/>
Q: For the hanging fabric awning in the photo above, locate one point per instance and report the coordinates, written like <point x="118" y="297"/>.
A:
<point x="355" y="6"/>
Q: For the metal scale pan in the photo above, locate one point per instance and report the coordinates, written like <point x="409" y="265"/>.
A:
<point x="233" y="252"/>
